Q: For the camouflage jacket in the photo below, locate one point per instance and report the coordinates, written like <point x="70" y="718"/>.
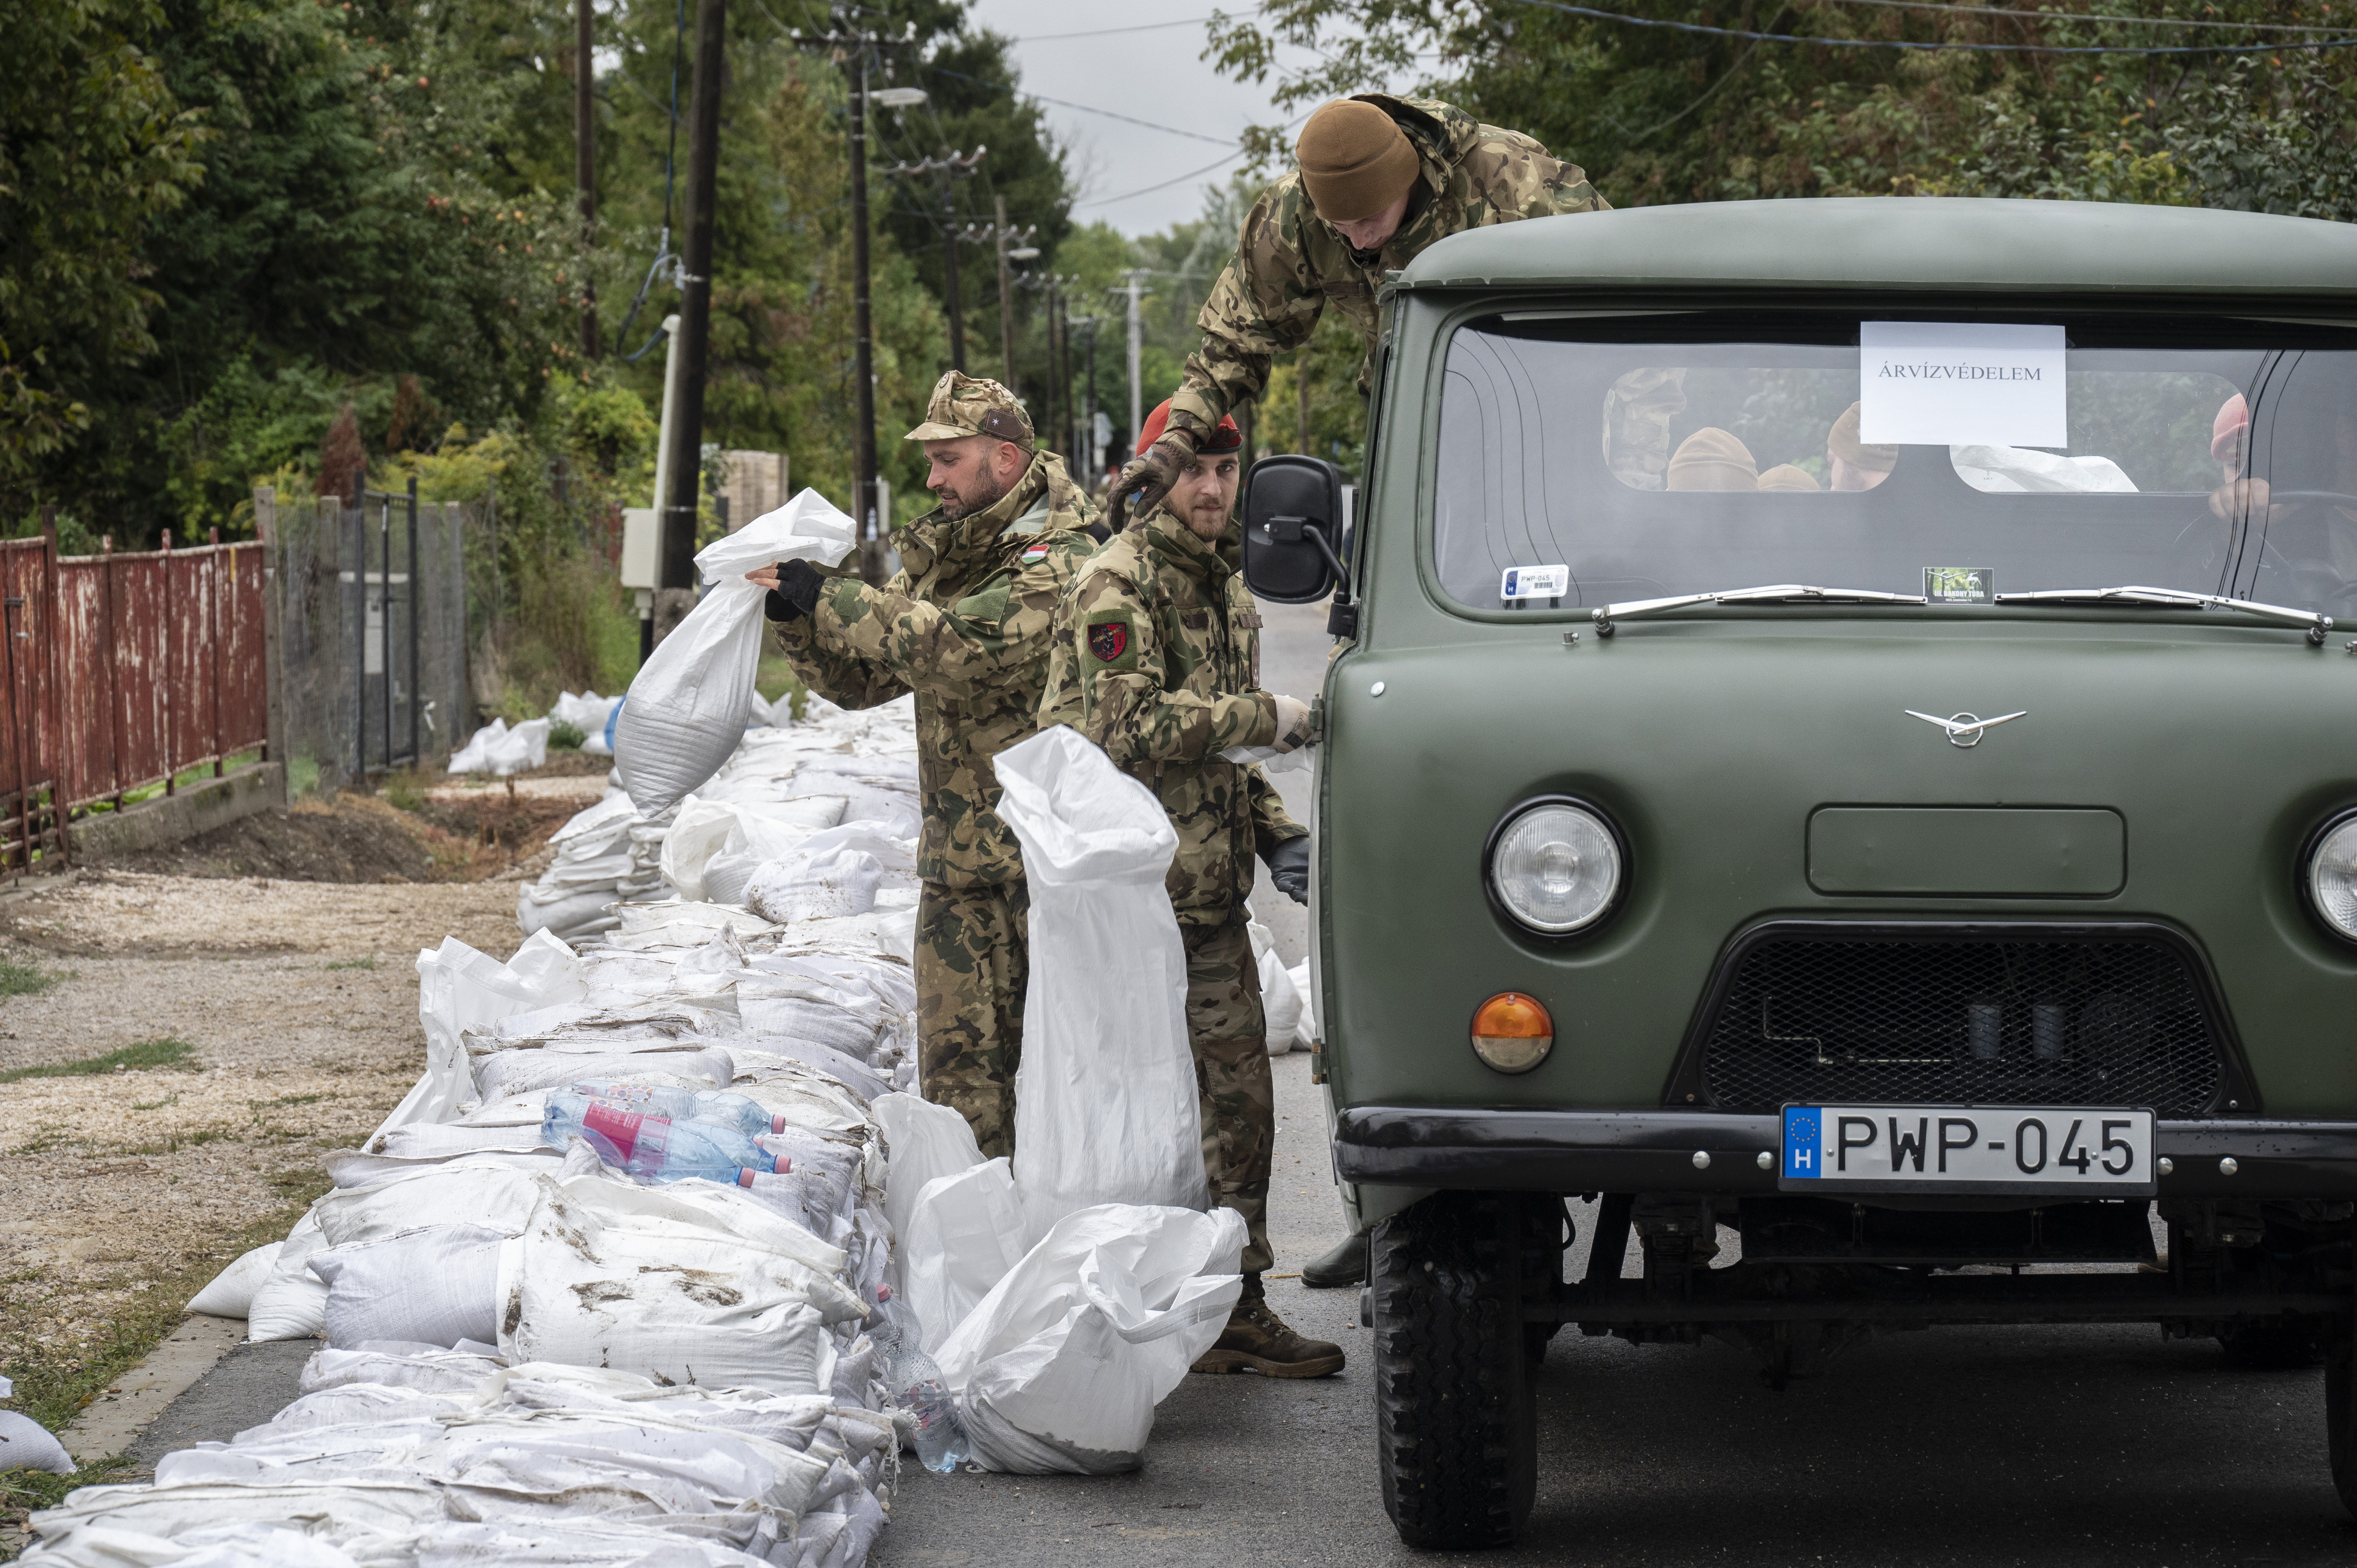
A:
<point x="1290" y="264"/>
<point x="965" y="625"/>
<point x="1156" y="659"/>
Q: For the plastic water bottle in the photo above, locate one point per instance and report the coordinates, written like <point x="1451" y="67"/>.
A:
<point x="657" y="1147"/>
<point x="685" y="1105"/>
<point x="916" y="1385"/>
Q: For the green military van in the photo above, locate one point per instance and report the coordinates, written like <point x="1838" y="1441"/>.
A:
<point x="1839" y="752"/>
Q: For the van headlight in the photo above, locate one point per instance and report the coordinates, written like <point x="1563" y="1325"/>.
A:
<point x="2332" y="876"/>
<point x="1556" y="867"/>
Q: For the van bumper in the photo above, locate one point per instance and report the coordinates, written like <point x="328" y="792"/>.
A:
<point x="1657" y="1150"/>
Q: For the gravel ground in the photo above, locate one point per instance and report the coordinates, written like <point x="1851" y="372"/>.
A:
<point x="298" y="1006"/>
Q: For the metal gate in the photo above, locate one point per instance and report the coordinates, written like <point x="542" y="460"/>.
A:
<point x="380" y="537"/>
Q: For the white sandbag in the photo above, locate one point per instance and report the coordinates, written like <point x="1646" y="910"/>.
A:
<point x="923" y="1142"/>
<point x="26" y="1445"/>
<point x="690" y="1282"/>
<point x="506" y="1073"/>
<point x="964" y="1231"/>
<point x="436" y="1286"/>
<point x="496" y="750"/>
<point x="707" y="831"/>
<point x="469" y="1189"/>
<point x="810" y="886"/>
<point x="215" y="1546"/>
<point x="601" y="1543"/>
<point x="686" y="711"/>
<point x="1105" y="1105"/>
<point x="1280" y="1003"/>
<point x="1060" y="1367"/>
<point x="1304" y="1034"/>
<point x="419" y="1368"/>
<point x="230" y="1294"/>
<point x="291" y="1303"/>
<point x="568" y="918"/>
<point x="459" y="989"/>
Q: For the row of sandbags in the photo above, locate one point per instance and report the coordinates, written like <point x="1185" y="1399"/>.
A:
<point x="786" y="782"/>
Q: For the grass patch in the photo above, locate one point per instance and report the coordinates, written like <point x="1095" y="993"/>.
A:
<point x="775" y="678"/>
<point x="368" y="961"/>
<point x="405" y="790"/>
<point x="53" y="1385"/>
<point x="20" y="978"/>
<point x="168" y="1100"/>
<point x="146" y="1054"/>
<point x="564" y="735"/>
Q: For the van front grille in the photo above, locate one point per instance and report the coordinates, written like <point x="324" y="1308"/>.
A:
<point x="1985" y="1020"/>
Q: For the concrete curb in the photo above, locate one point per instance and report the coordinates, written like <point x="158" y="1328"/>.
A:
<point x="169" y="819"/>
<point x="133" y="1402"/>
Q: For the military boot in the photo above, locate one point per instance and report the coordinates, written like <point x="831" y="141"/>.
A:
<point x="1344" y="1265"/>
<point x="1256" y="1340"/>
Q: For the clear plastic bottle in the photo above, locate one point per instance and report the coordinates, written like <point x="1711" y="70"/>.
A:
<point x="686" y="1105"/>
<point x="917" y="1384"/>
<point x="656" y="1147"/>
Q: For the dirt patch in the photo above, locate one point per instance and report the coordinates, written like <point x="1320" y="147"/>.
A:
<point x="348" y="839"/>
<point x="297" y="1002"/>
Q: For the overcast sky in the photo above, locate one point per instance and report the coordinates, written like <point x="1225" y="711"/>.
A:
<point x="1151" y="75"/>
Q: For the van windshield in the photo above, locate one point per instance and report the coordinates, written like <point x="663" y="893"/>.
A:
<point x="1588" y="461"/>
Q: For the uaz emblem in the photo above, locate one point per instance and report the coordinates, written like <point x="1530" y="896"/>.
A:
<point x="1966" y="729"/>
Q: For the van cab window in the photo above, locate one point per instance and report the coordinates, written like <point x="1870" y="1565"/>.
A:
<point x="1687" y="453"/>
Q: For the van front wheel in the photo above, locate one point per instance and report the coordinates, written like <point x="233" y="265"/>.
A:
<point x="1456" y="1425"/>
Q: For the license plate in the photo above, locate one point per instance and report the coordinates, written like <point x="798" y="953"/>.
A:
<point x="1967" y="1149"/>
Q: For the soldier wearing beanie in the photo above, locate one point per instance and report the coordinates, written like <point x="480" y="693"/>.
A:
<point x="1713" y="459"/>
<point x="965" y="625"/>
<point x="1157" y="660"/>
<point x="1380" y="179"/>
<point x="1850" y="463"/>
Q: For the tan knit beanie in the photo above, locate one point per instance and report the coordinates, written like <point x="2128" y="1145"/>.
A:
<point x="1355" y="160"/>
<point x="1711" y="459"/>
<point x="1784" y="477"/>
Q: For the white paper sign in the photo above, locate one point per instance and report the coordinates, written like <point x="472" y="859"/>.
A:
<point x="1943" y="383"/>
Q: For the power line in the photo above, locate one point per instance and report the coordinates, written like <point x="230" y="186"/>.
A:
<point x="1148" y="190"/>
<point x="1568" y="10"/>
<point x="1140" y="28"/>
<point x="1084" y="108"/>
<point x="2021" y="15"/>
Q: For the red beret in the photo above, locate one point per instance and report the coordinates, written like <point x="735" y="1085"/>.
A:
<point x="1226" y="438"/>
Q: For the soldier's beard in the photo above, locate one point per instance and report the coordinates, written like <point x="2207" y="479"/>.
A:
<point x="956" y="504"/>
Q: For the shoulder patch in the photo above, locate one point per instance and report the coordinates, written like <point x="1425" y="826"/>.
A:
<point x="1109" y="639"/>
<point x="1035" y="554"/>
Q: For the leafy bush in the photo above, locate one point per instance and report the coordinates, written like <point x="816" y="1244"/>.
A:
<point x="565" y="736"/>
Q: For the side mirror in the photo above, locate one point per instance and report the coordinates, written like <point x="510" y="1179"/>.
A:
<point x="1293" y="523"/>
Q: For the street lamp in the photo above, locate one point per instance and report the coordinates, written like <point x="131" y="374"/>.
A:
<point x="898" y="97"/>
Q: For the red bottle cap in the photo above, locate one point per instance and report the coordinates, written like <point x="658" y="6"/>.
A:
<point x="744" y="1177"/>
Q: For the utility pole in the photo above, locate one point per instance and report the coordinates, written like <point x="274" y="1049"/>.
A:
<point x="953" y="166"/>
<point x="585" y="166"/>
<point x="998" y="234"/>
<point x="1138" y="276"/>
<point x="676" y="561"/>
<point x="863" y="368"/>
<point x="1089" y="416"/>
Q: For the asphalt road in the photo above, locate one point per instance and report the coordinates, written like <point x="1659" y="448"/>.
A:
<point x="1946" y="1446"/>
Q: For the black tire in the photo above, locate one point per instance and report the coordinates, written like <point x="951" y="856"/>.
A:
<point x="2340" y="1411"/>
<point x="1456" y="1422"/>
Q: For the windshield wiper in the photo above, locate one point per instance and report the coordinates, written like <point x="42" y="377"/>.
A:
<point x="2176" y="598"/>
<point x="1777" y="593"/>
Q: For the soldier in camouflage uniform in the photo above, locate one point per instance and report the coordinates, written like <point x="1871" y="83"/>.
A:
<point x="1156" y="659"/>
<point x="1380" y="179"/>
<point x="965" y="625"/>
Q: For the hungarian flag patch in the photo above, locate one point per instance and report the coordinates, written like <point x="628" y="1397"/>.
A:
<point x="1109" y="639"/>
<point x="1034" y="556"/>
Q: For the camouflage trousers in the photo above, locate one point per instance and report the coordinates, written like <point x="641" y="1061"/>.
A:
<point x="972" y="962"/>
<point x="1230" y="1035"/>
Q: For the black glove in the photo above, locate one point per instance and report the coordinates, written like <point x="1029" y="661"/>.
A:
<point x="1288" y="867"/>
<point x="1151" y="474"/>
<point x="797" y="592"/>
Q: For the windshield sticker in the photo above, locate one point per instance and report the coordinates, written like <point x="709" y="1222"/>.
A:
<point x="1943" y="383"/>
<point x="1960" y="585"/>
<point x="1534" y="582"/>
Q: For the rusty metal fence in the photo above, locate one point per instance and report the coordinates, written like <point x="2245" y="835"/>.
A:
<point x="121" y="671"/>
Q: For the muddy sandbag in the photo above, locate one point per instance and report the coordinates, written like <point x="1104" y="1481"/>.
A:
<point x="686" y="711"/>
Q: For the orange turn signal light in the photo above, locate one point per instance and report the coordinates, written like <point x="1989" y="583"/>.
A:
<point x="1512" y="1032"/>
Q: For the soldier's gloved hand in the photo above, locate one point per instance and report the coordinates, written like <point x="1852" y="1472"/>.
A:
<point x="797" y="592"/>
<point x="1153" y="471"/>
<point x="1288" y="867"/>
<point x="1292" y="723"/>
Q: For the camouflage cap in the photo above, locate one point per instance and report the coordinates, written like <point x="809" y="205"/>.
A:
<point x="969" y="405"/>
